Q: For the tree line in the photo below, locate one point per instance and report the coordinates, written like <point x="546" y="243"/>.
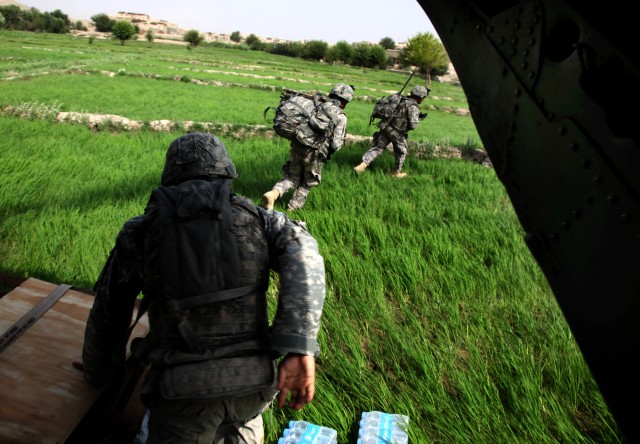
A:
<point x="423" y="51"/>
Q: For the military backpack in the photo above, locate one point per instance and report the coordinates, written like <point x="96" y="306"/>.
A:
<point x="300" y="117"/>
<point x="386" y="108"/>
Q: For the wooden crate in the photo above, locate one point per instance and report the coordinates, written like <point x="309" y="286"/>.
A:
<point x="44" y="398"/>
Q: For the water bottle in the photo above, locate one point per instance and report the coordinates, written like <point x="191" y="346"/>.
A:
<point x="379" y="427"/>
<point x="308" y="433"/>
<point x="289" y="440"/>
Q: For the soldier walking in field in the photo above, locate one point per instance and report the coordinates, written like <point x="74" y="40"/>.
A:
<point x="304" y="168"/>
<point x="398" y="115"/>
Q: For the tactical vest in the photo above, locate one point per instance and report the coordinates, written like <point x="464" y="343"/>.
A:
<point x="206" y="271"/>
<point x="399" y="119"/>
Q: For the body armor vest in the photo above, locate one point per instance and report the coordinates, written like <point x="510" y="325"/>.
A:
<point x="206" y="273"/>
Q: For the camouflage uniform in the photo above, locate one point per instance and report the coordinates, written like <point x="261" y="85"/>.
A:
<point x="278" y="243"/>
<point x="395" y="131"/>
<point x="303" y="170"/>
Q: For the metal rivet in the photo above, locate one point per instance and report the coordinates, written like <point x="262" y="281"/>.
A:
<point x="517" y="92"/>
<point x="589" y="199"/>
<point x="515" y="109"/>
<point x="612" y="198"/>
<point x="531" y="75"/>
<point x="525" y="53"/>
<point x="532" y="42"/>
<point x="586" y="163"/>
<point x="565" y="224"/>
<point x="597" y="180"/>
<point x="562" y="130"/>
<point x="524" y="65"/>
<point x="576" y="213"/>
<point x="573" y="146"/>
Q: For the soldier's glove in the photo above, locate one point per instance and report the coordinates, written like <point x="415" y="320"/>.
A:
<point x="422" y="116"/>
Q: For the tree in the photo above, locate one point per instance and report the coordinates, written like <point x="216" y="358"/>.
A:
<point x="62" y="16"/>
<point x="193" y="37"/>
<point x="79" y="26"/>
<point x="123" y="30"/>
<point x="425" y="52"/>
<point x="315" y="50"/>
<point x="13" y="16"/>
<point x="343" y="50"/>
<point x="253" y="42"/>
<point x="378" y="56"/>
<point x="369" y="56"/>
<point x="289" y="49"/>
<point x="387" y="43"/>
<point x="235" y="36"/>
<point x="150" y="35"/>
<point x="102" y="22"/>
<point x="1" y="19"/>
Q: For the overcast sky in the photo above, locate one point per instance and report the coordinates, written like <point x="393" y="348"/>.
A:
<point x="327" y="20"/>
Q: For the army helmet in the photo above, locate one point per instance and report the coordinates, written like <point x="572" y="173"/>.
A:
<point x="343" y="91"/>
<point x="420" y="91"/>
<point x="197" y="155"/>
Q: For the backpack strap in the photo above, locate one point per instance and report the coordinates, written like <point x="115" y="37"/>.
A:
<point x="208" y="298"/>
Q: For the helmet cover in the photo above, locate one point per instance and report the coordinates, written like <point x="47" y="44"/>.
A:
<point x="197" y="155"/>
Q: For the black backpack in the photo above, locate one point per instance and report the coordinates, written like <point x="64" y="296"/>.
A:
<point x="191" y="256"/>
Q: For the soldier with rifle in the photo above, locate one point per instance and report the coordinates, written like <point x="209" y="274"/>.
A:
<point x="398" y="115"/>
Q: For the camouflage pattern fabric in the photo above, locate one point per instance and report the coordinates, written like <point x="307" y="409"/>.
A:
<point x="218" y="422"/>
<point x="404" y="120"/>
<point x="303" y="170"/>
<point x="395" y="131"/>
<point x="337" y="116"/>
<point x="196" y="155"/>
<point x="380" y="141"/>
<point x="293" y="253"/>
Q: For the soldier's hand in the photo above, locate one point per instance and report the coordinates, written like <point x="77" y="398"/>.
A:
<point x="296" y="380"/>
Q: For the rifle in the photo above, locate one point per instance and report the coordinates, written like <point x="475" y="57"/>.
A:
<point x="406" y="83"/>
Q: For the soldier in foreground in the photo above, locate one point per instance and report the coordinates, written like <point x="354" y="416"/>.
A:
<point x="303" y="170"/>
<point x="201" y="256"/>
<point x="404" y="116"/>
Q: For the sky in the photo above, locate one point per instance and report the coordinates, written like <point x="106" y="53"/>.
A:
<point x="327" y="20"/>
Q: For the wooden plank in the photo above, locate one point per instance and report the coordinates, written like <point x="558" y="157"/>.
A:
<point x="43" y="396"/>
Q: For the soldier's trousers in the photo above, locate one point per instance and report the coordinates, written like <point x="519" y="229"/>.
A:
<point x="226" y="421"/>
<point x="302" y="172"/>
<point x="380" y="141"/>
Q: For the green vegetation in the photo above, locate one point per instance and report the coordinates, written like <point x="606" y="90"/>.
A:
<point x="425" y="51"/>
<point x="435" y="307"/>
<point x="193" y="37"/>
<point x="123" y="30"/>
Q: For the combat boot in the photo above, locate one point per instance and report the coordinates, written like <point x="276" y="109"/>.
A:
<point x="269" y="198"/>
<point x="360" y="168"/>
<point x="399" y="174"/>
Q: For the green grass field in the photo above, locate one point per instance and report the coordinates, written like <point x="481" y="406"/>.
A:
<point x="435" y="307"/>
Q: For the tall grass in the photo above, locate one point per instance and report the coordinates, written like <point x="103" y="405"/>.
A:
<point x="435" y="307"/>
